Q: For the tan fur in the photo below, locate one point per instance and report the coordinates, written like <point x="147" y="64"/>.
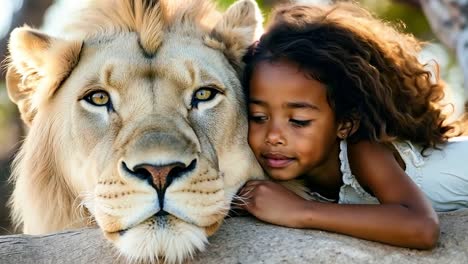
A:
<point x="31" y="76"/>
<point x="75" y="166"/>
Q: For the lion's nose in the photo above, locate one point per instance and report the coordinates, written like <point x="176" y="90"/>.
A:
<point x="158" y="174"/>
<point x="160" y="177"/>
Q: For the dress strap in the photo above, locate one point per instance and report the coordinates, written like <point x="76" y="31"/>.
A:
<point x="348" y="177"/>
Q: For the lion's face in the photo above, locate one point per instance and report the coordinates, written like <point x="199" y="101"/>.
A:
<point x="153" y="145"/>
<point x="163" y="156"/>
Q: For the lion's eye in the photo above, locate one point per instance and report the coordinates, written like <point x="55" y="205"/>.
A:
<point x="202" y="95"/>
<point x="98" y="98"/>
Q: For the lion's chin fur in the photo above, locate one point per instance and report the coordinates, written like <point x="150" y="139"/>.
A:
<point x="165" y="239"/>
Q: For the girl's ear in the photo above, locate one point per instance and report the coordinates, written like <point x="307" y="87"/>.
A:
<point x="347" y="128"/>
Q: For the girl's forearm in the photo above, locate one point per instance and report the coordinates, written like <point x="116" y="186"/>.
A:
<point x="388" y="223"/>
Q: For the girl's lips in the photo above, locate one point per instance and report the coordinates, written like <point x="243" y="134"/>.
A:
<point x="277" y="161"/>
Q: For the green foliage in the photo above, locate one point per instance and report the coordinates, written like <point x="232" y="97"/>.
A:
<point x="414" y="19"/>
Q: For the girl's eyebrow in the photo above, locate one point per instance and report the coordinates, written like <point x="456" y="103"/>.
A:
<point x="302" y="105"/>
<point x="257" y="102"/>
<point x="293" y="105"/>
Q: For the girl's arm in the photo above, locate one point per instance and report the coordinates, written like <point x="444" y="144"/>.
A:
<point x="403" y="218"/>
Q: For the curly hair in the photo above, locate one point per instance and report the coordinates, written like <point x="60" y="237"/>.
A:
<point x="370" y="69"/>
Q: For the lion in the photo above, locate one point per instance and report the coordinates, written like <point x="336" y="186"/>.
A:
<point x="137" y="123"/>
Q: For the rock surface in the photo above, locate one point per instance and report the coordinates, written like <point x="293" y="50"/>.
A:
<point x="246" y="240"/>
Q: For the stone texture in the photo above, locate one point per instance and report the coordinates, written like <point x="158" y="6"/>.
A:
<point x="246" y="240"/>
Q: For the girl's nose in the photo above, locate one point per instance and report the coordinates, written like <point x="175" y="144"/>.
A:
<point x="275" y="136"/>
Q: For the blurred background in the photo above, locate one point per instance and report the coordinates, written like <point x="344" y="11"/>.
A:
<point x="40" y="13"/>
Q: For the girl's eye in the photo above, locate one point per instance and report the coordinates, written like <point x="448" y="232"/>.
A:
<point x="98" y="98"/>
<point x="257" y="118"/>
<point x="300" y="123"/>
<point x="202" y="95"/>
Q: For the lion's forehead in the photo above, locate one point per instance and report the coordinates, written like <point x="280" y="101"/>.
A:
<point x="179" y="59"/>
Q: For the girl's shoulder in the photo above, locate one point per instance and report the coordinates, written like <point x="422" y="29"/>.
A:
<point x="351" y="192"/>
<point x="370" y="162"/>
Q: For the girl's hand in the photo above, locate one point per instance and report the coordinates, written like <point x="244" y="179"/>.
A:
<point x="272" y="203"/>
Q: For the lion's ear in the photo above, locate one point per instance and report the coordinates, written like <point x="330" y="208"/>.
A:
<point x="38" y="64"/>
<point x="238" y="28"/>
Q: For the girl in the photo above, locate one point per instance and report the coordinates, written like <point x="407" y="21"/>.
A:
<point x="338" y="99"/>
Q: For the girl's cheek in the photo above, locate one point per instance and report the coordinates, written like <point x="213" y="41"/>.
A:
<point x="254" y="137"/>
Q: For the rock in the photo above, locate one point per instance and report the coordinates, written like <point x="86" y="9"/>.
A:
<point x="246" y="240"/>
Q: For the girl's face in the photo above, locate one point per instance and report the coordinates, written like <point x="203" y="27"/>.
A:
<point x="292" y="128"/>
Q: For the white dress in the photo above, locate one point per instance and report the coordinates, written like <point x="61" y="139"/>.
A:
<point x="442" y="175"/>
